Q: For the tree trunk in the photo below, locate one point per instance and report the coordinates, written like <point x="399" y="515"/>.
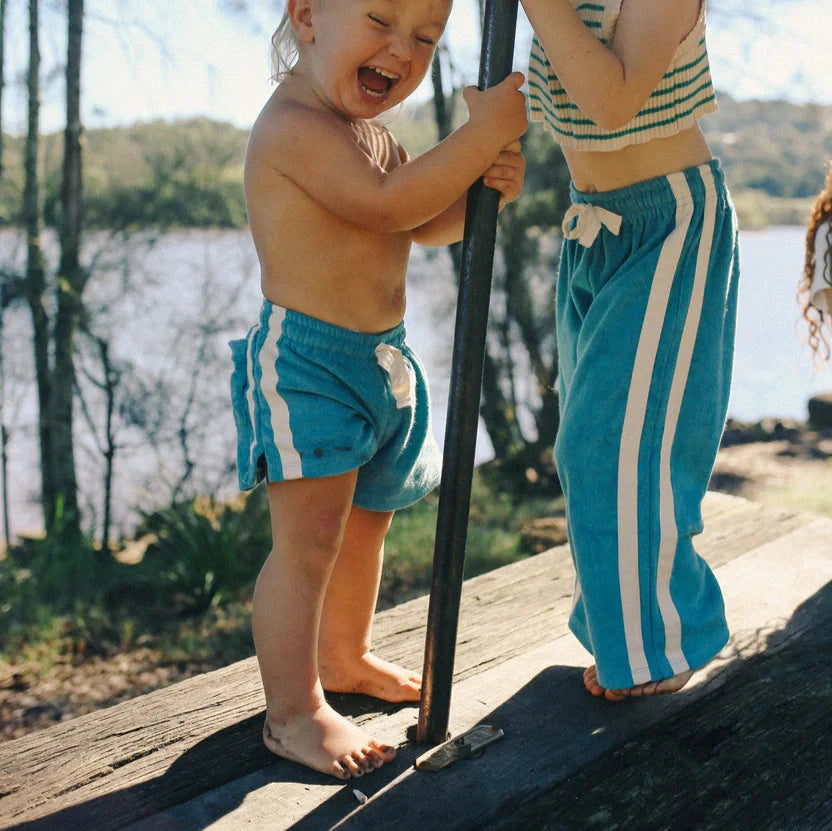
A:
<point x="35" y="276"/>
<point x="515" y="452"/>
<point x="71" y="281"/>
<point x="497" y="411"/>
<point x="518" y="256"/>
<point x="4" y="474"/>
<point x="3" y="5"/>
<point x="110" y="384"/>
<point x="441" y="111"/>
<point x="4" y="434"/>
<point x="444" y="124"/>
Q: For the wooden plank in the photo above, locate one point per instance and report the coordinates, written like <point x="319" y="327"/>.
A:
<point x="554" y="730"/>
<point x="162" y="748"/>
<point x="754" y="754"/>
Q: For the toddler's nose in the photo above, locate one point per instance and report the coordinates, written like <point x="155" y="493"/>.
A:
<point x="400" y="46"/>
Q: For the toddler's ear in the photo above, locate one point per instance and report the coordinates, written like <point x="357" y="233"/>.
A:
<point x="301" y="16"/>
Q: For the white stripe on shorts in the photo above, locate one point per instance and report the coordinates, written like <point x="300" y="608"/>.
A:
<point x="631" y="434"/>
<point x="250" y="398"/>
<point x="278" y="409"/>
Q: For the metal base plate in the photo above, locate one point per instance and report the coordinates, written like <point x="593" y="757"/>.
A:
<point x="467" y="745"/>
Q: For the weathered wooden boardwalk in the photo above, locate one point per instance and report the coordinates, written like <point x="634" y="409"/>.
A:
<point x="747" y="745"/>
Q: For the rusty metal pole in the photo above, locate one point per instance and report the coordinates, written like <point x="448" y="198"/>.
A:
<point x="499" y="24"/>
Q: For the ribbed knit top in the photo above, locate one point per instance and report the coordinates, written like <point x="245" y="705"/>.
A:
<point x="684" y="93"/>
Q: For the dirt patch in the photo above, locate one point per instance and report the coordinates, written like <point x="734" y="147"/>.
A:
<point x="31" y="698"/>
<point x="776" y="462"/>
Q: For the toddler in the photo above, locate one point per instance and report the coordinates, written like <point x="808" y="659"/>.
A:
<point x="331" y="405"/>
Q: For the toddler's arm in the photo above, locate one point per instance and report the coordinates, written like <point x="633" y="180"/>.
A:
<point x="321" y="155"/>
<point x="505" y="175"/>
<point x="611" y="83"/>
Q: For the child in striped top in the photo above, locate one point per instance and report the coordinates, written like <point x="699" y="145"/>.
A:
<point x="646" y="308"/>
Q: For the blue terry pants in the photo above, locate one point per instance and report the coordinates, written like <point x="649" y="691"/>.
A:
<point x="646" y="309"/>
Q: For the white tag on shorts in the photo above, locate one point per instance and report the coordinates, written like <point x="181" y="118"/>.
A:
<point x="391" y="360"/>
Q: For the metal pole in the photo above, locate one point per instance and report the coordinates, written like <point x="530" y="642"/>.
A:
<point x="499" y="26"/>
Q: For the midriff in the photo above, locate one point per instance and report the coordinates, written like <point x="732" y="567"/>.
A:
<point x="594" y="171"/>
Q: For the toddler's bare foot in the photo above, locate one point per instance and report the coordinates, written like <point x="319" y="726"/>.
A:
<point x="325" y="741"/>
<point x="662" y="687"/>
<point x="371" y="676"/>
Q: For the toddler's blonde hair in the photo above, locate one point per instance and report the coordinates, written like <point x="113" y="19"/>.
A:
<point x="284" y="54"/>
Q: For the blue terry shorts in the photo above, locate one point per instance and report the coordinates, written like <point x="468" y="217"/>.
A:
<point x="313" y="399"/>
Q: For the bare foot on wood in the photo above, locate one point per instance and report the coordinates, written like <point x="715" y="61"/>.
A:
<point x="370" y="675"/>
<point x="662" y="687"/>
<point x="325" y="741"/>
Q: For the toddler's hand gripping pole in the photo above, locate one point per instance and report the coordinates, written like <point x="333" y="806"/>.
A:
<point x="499" y="24"/>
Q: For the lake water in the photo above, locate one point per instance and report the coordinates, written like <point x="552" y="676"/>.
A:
<point x="170" y="305"/>
<point x="773" y="370"/>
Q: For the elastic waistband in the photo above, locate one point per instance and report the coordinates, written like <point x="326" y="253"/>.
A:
<point x="672" y="189"/>
<point x="310" y="331"/>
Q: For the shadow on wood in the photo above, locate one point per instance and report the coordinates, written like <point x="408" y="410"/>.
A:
<point x="751" y="751"/>
<point x="749" y="731"/>
<point x="224" y="756"/>
<point x="755" y="753"/>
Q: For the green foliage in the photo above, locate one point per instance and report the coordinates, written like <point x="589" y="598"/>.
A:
<point x="493" y="538"/>
<point x="189" y="597"/>
<point x="44" y="581"/>
<point x="812" y="496"/>
<point x="183" y="174"/>
<point x="773" y="147"/>
<point x="203" y="553"/>
<point x="217" y="637"/>
<point x="11" y="186"/>
<point x="414" y="127"/>
<point x="198" y="555"/>
<point x="408" y="553"/>
<point x="546" y="187"/>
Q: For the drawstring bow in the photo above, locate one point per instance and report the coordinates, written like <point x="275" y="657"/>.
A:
<point x="590" y="218"/>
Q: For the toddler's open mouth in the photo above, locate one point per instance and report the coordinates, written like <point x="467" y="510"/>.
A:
<point x="376" y="81"/>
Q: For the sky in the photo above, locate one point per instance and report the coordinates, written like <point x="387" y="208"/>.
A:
<point x="149" y="59"/>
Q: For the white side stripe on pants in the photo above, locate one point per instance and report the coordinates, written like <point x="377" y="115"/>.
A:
<point x="669" y="532"/>
<point x="634" y="416"/>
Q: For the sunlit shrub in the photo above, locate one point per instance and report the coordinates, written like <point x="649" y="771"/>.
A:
<point x="204" y="552"/>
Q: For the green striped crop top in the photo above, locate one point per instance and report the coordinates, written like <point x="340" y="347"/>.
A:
<point x="684" y="93"/>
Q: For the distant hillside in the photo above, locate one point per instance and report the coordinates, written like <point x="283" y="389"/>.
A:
<point x="186" y="173"/>
<point x="189" y="173"/>
<point x="772" y="146"/>
<point x="774" y="154"/>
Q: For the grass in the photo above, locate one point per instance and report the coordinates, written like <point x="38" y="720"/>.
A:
<point x="811" y="495"/>
<point x="494" y="539"/>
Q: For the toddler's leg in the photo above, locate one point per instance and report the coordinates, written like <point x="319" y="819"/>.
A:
<point x="344" y="658"/>
<point x="308" y="520"/>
